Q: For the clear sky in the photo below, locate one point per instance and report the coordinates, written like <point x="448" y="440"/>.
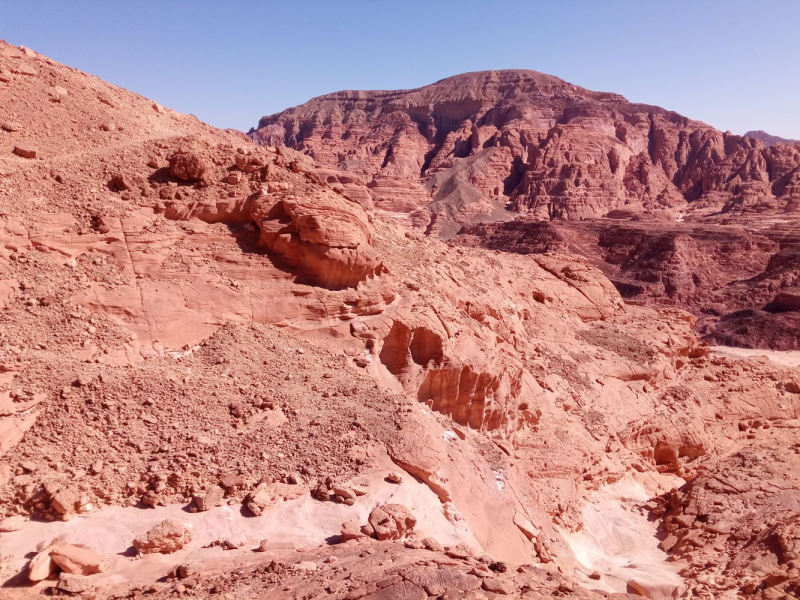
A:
<point x="734" y="64"/>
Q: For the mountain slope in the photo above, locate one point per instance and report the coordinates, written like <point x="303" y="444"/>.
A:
<point x="463" y="148"/>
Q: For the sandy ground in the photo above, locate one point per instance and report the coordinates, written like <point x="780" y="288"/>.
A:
<point x="619" y="543"/>
<point x="299" y="524"/>
<point x="788" y="358"/>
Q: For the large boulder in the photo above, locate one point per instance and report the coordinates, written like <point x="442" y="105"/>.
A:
<point x="186" y="165"/>
<point x="166" y="537"/>
<point x="76" y="560"/>
<point x="391" y="521"/>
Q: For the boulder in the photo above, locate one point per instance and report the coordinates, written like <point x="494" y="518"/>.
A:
<point x="212" y="497"/>
<point x="41" y="566"/>
<point x="187" y="166"/>
<point x="73" y="584"/>
<point x="166" y="537"/>
<point x="76" y="560"/>
<point x="351" y="531"/>
<point x="391" y="521"/>
<point x="66" y="501"/>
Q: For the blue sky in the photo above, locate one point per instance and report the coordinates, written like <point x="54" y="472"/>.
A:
<point x="734" y="64"/>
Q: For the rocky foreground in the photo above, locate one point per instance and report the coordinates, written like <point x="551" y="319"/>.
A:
<point x="673" y="211"/>
<point x="223" y="371"/>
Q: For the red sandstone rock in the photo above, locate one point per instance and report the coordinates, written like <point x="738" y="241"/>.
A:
<point x="76" y="560"/>
<point x="165" y="538"/>
<point x="391" y="521"/>
<point x="25" y="151"/>
<point x="186" y="165"/>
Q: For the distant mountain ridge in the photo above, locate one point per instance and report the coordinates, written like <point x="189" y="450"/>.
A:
<point x="768" y="138"/>
<point x="481" y="146"/>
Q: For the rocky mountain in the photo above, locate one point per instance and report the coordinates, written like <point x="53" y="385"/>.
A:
<point x="225" y="371"/>
<point x="768" y="139"/>
<point x="459" y="150"/>
<point x="675" y="212"/>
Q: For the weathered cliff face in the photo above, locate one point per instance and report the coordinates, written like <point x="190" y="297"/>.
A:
<point x="462" y="149"/>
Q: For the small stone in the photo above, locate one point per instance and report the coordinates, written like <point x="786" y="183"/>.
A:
<point x="65" y="501"/>
<point x="106" y="99"/>
<point x="481" y="571"/>
<point x="185" y="570"/>
<point x="263" y="546"/>
<point x="25" y="151"/>
<point x="351" y="531"/>
<point x="24" y="68"/>
<point x="121" y="182"/>
<point x="149" y="498"/>
<point x="295" y="479"/>
<point x="231" y="481"/>
<point x="394" y="477"/>
<point x="10" y="126"/>
<point x="461" y="552"/>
